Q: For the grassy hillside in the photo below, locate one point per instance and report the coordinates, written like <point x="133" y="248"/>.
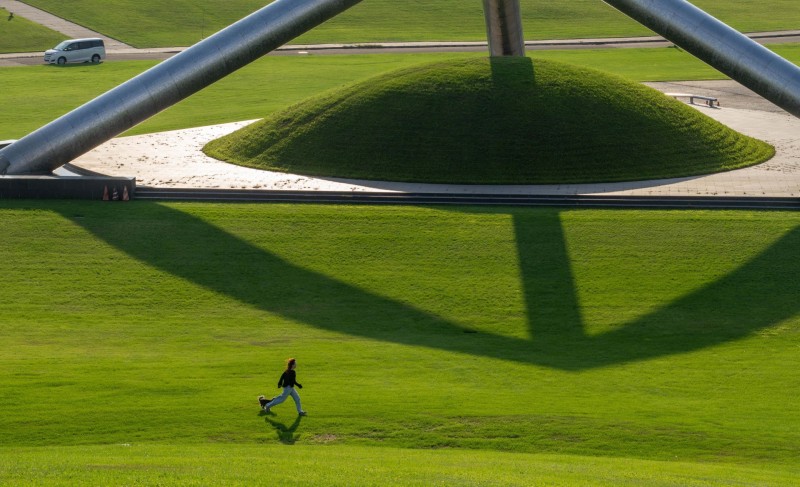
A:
<point x="21" y="35"/>
<point x="148" y="23"/>
<point x="649" y="335"/>
<point x="498" y="121"/>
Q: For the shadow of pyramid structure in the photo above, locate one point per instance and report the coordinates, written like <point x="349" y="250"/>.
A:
<point x="259" y="278"/>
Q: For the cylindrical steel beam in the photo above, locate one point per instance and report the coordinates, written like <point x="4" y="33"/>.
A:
<point x="162" y="86"/>
<point x="722" y="47"/>
<point x="504" y="27"/>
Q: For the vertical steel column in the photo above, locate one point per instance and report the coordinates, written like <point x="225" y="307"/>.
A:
<point x="160" y="87"/>
<point x="722" y="47"/>
<point x="504" y="27"/>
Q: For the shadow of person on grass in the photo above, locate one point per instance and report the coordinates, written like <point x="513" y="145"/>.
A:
<point x="758" y="294"/>
<point x="285" y="434"/>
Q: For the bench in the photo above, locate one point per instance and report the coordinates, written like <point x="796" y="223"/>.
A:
<point x="709" y="100"/>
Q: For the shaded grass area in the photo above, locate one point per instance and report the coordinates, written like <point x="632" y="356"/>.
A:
<point x="655" y="335"/>
<point x="40" y="94"/>
<point x="21" y="35"/>
<point x="498" y="121"/>
<point x="148" y="23"/>
<point x="345" y="466"/>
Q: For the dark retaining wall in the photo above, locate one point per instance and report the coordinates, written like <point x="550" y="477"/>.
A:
<point x="66" y="187"/>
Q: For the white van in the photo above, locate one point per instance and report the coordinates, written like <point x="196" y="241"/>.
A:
<point x="77" y="51"/>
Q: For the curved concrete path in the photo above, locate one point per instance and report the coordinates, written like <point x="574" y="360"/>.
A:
<point x="175" y="159"/>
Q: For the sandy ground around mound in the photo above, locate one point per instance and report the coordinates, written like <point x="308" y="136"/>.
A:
<point x="175" y="159"/>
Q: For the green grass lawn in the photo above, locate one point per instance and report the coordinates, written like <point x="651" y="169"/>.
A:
<point x="148" y="23"/>
<point x="347" y="466"/>
<point x="40" y="94"/>
<point x="21" y="35"/>
<point x="499" y="121"/>
<point x="662" y="344"/>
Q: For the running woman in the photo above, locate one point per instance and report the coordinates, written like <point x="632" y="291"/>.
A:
<point x="288" y="380"/>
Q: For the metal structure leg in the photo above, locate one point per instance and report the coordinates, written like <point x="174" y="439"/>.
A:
<point x="504" y="27"/>
<point x="722" y="47"/>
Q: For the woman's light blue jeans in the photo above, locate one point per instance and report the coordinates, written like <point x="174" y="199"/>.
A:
<point x="287" y="391"/>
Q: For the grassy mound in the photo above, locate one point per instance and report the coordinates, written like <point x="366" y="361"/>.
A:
<point x="499" y="121"/>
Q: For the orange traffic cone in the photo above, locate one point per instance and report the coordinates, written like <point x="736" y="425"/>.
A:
<point x="105" y="193"/>
<point x="125" y="195"/>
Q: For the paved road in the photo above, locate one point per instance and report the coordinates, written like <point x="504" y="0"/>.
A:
<point x="129" y="53"/>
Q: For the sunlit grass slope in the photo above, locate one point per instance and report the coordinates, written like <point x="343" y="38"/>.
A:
<point x="504" y="120"/>
<point x="149" y="23"/>
<point x="354" y="466"/>
<point x="21" y="35"/>
<point x="644" y="335"/>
